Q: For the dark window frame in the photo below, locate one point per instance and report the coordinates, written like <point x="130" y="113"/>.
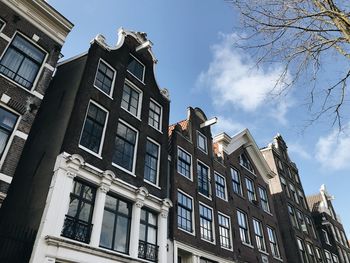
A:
<point x="203" y="184"/>
<point x="6" y="129"/>
<point x="152" y="157"/>
<point x="105" y="76"/>
<point x="14" y="76"/>
<point x="220" y="186"/>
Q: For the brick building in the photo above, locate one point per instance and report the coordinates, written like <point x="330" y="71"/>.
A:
<point x="31" y="36"/>
<point x="299" y="236"/>
<point x="223" y="209"/>
<point x="329" y="227"/>
<point x="93" y="173"/>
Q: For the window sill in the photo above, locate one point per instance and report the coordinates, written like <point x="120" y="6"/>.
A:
<point x="263" y="252"/>
<point x="223" y="199"/>
<point x="188" y="178"/>
<point x="160" y="131"/>
<point x="279" y="259"/>
<point x="30" y="91"/>
<point x="208" y="197"/>
<point x="123" y="169"/>
<point x="267" y="212"/>
<point x="226" y="248"/>
<point x="139" y="80"/>
<point x="89" y="151"/>
<point x="108" y="95"/>
<point x="190" y="233"/>
<point x="247" y="245"/>
<point x="150" y="183"/>
<point x="206" y="240"/>
<point x="136" y="117"/>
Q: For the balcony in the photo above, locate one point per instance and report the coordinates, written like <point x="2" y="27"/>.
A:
<point x="148" y="251"/>
<point x="76" y="229"/>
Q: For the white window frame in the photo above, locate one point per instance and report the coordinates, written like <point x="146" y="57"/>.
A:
<point x="3" y="26"/>
<point x="273" y="231"/>
<point x="35" y="82"/>
<point x="135" y="150"/>
<point x="158" y="163"/>
<point x="13" y="134"/>
<point x="139" y="106"/>
<point x="212" y="222"/>
<point x="191" y="165"/>
<point x="248" y="229"/>
<point x="241" y="163"/>
<point x="325" y="237"/>
<point x="267" y="199"/>
<point x="326" y="252"/>
<point x="144" y="70"/>
<point x="230" y="231"/>
<point x="260" y="224"/>
<point x="334" y="256"/>
<point x="225" y="186"/>
<point x="209" y="181"/>
<point x="246" y="179"/>
<point x="110" y="95"/>
<point x="240" y="182"/>
<point x="160" y="118"/>
<point x="103" y="131"/>
<point x="199" y="134"/>
<point x="193" y="233"/>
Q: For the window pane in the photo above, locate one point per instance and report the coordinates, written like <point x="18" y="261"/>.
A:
<point x="107" y="229"/>
<point x="104" y="78"/>
<point x="136" y="68"/>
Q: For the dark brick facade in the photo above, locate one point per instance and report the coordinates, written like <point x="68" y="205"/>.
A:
<point x="23" y="102"/>
<point x="186" y="139"/>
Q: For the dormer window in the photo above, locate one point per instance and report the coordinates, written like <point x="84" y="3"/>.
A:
<point x="136" y="68"/>
<point x="202" y="142"/>
<point x="244" y="161"/>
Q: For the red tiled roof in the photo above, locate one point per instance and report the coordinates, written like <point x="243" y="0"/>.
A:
<point x="183" y="124"/>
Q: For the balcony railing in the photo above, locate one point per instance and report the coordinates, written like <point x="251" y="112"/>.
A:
<point x="148" y="251"/>
<point x="76" y="229"/>
<point x="15" y="77"/>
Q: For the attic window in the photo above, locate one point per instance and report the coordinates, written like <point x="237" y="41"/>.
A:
<point x="244" y="161"/>
<point x="136" y="68"/>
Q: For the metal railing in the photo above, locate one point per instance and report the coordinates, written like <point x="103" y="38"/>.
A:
<point x="148" y="251"/>
<point x="76" y="229"/>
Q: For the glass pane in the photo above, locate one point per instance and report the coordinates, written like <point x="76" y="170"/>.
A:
<point x="73" y="207"/>
<point x="152" y="235"/>
<point x="107" y="229"/>
<point x="142" y="232"/>
<point x="121" y="234"/>
<point x="111" y="202"/>
<point x="85" y="212"/>
<point x="124" y="208"/>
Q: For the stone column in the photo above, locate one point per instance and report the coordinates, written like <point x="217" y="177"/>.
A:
<point x="135" y="228"/>
<point x="162" y="230"/>
<point x="97" y="217"/>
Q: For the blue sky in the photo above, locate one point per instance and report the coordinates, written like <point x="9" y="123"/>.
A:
<point x="198" y="64"/>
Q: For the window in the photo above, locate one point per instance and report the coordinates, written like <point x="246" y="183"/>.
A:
<point x="292" y="216"/>
<point x="206" y="222"/>
<point x="311" y="226"/>
<point x="301" y="221"/>
<point x="264" y="201"/>
<point x="94" y="125"/>
<point x="328" y="257"/>
<point x="220" y="186"/>
<point x="184" y="212"/>
<point x="131" y="99"/>
<point x="116" y="222"/>
<point x="325" y="237"/>
<point x="136" y="68"/>
<point x="303" y="256"/>
<point x="203" y="179"/>
<point x="310" y="253"/>
<point x="155" y="115"/>
<point x="296" y="177"/>
<point x="236" y="181"/>
<point x="8" y="121"/>
<point x="22" y="61"/>
<point x="77" y="224"/>
<point x="244" y="161"/>
<point x="335" y="258"/>
<point x="302" y="199"/>
<point x="284" y="186"/>
<point x="104" y="78"/>
<point x="243" y="227"/>
<point x="318" y="255"/>
<point x="184" y="162"/>
<point x="259" y="235"/>
<point x="151" y="162"/>
<point x="293" y="193"/>
<point x="273" y="242"/>
<point x="202" y="142"/>
<point x="224" y="231"/>
<point x="250" y="190"/>
<point x="148" y="236"/>
<point x="2" y="23"/>
<point x="124" y="147"/>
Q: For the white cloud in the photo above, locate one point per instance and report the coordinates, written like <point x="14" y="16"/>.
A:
<point x="299" y="150"/>
<point x="332" y="151"/>
<point x="227" y="125"/>
<point x="234" y="79"/>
